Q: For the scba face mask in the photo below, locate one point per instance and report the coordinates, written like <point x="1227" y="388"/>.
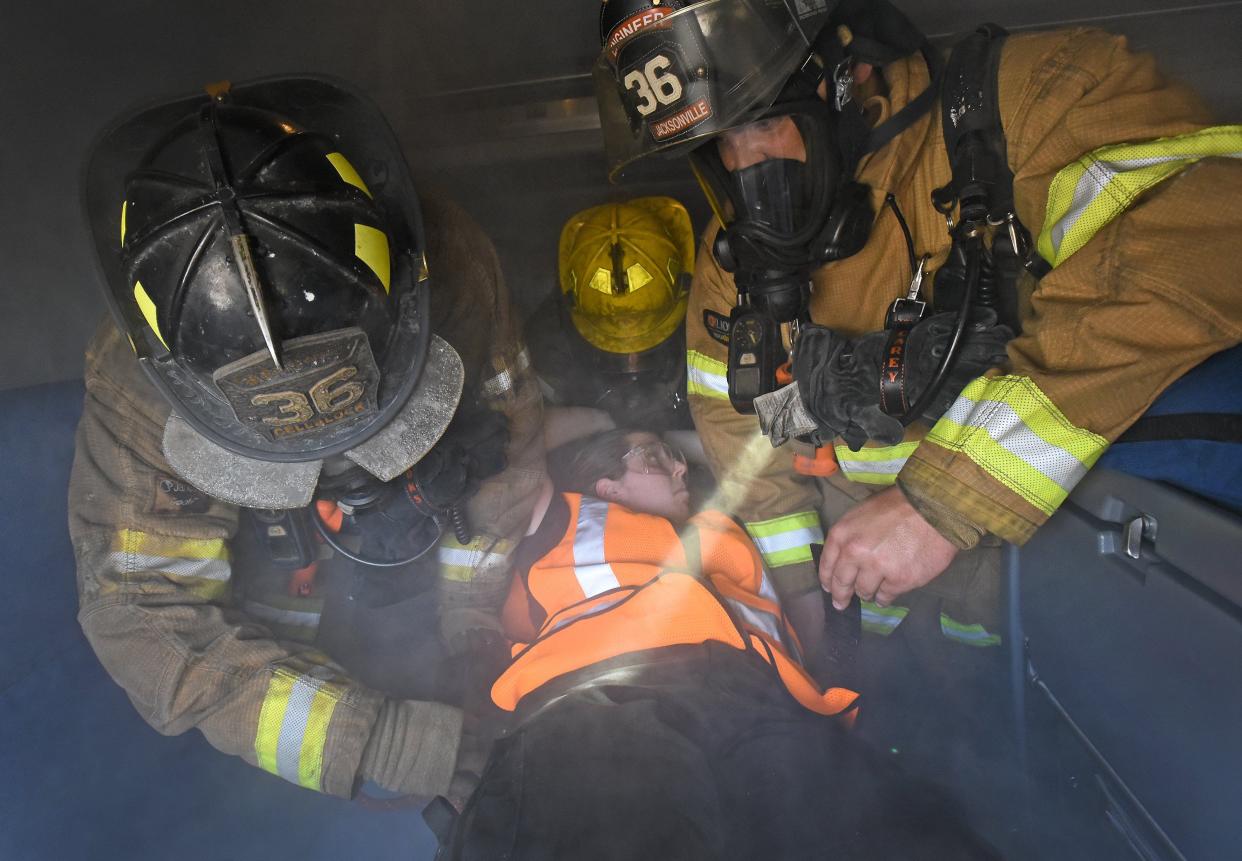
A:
<point x="785" y="203"/>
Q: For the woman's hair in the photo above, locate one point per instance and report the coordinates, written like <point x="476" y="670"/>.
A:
<point x="577" y="465"/>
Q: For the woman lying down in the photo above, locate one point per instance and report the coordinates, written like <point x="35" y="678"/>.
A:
<point x="659" y="707"/>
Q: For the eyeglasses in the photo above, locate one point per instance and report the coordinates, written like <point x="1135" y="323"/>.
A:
<point x="655" y="458"/>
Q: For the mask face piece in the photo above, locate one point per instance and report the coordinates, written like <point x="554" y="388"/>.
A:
<point x="777" y="179"/>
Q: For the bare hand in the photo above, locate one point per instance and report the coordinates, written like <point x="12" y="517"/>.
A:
<point x="881" y="549"/>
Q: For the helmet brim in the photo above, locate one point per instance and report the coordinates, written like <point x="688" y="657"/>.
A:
<point x="255" y="483"/>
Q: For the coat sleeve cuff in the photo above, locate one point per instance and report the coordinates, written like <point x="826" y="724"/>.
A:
<point x="961" y="491"/>
<point x="413" y="747"/>
<point x="792" y="581"/>
<point x="961" y="532"/>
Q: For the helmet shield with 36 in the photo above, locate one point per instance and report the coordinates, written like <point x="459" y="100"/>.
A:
<point x="263" y="249"/>
<point x="666" y="78"/>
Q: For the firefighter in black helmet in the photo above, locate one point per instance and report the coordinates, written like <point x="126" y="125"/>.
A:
<point x="308" y="446"/>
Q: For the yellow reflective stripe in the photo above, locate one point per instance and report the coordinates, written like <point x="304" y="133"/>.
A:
<point x="878" y="465"/>
<point x="124" y="213"/>
<point x="787" y="540"/>
<point x="200" y="566"/>
<point x="371" y="247"/>
<point x="347" y="172"/>
<point x="134" y="541"/>
<point x="971" y="635"/>
<point x="882" y="620"/>
<point x="706" y="376"/>
<point x="1011" y="430"/>
<point x="1088" y="194"/>
<point x="271" y="715"/>
<point x="293" y="725"/>
<point x="147" y="307"/>
<point x="462" y="562"/>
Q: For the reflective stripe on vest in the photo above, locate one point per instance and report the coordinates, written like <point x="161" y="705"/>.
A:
<point x="200" y="565"/>
<point x="1088" y="194"/>
<point x="759" y="621"/>
<point x="1012" y="431"/>
<point x="293" y="724"/>
<point x="591" y="567"/>
<point x="882" y="620"/>
<point x="706" y="376"/>
<point x="787" y="540"/>
<point x="878" y="465"/>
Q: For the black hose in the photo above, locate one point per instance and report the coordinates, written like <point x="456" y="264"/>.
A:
<point x="974" y="259"/>
<point x="336" y="545"/>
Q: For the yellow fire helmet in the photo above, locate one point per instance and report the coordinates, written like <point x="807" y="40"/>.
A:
<point x="625" y="270"/>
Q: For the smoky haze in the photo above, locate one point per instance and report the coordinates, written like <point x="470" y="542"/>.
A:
<point x="492" y="101"/>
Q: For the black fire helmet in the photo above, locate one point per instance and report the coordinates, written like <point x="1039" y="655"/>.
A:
<point x="262" y="247"/>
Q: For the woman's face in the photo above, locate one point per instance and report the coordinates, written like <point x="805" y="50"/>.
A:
<point x="654" y="481"/>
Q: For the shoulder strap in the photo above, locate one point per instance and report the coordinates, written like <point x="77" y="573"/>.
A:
<point x="973" y="136"/>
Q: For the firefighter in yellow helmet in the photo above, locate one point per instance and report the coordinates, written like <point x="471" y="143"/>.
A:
<point x="612" y="336"/>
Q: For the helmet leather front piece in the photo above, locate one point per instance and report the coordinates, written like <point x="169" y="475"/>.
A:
<point x="624" y="269"/>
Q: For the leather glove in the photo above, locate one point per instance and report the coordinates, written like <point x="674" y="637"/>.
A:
<point x="471" y="451"/>
<point x="839" y="378"/>
<point x="839" y="381"/>
<point x="982" y="347"/>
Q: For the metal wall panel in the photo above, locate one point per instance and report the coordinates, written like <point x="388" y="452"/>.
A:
<point x="69" y="67"/>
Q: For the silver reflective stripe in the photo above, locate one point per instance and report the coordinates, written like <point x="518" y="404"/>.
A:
<point x="707" y="380"/>
<point x="468" y="558"/>
<point x="281" y="616"/>
<point x="884" y="620"/>
<point x="766" y="589"/>
<point x="204" y="569"/>
<point x="1094" y="182"/>
<point x="591" y="568"/>
<point x="706" y="376"/>
<point x="758" y="619"/>
<point x="886" y="467"/>
<point x="595" y="611"/>
<point x="785" y="540"/>
<point x="503" y="381"/>
<point x="499" y="384"/>
<point x="293" y="727"/>
<point x="1005" y="426"/>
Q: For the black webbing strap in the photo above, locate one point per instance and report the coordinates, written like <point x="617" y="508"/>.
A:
<point x="973" y="135"/>
<point x="1210" y="427"/>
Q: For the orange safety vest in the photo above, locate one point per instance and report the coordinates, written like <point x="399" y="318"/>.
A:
<point x="618" y="582"/>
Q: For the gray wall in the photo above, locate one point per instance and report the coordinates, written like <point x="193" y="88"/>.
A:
<point x="490" y="98"/>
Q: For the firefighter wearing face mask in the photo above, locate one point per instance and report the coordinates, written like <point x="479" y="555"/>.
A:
<point x="818" y="132"/>
<point x="309" y="442"/>
<point x="613" y="336"/>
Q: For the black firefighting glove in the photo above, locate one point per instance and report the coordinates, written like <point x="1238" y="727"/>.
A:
<point x="839" y="383"/>
<point x="982" y="348"/>
<point x="839" y="378"/>
<point x="471" y="451"/>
